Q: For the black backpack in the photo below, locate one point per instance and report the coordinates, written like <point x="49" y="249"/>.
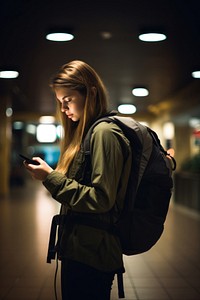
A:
<point x="149" y="188"/>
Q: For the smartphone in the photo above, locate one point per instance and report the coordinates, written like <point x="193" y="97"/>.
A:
<point x="29" y="160"/>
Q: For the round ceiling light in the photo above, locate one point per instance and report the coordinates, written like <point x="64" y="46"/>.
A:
<point x="140" y="92"/>
<point x="127" y="109"/>
<point x="152" y="37"/>
<point x="59" y="37"/>
<point x="196" y="74"/>
<point x="9" y="74"/>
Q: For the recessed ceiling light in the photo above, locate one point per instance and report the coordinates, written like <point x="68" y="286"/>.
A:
<point x="196" y="74"/>
<point x="127" y="109"/>
<point x="106" y="35"/>
<point x="152" y="37"/>
<point x="59" y="37"/>
<point x="140" y="92"/>
<point x="9" y="74"/>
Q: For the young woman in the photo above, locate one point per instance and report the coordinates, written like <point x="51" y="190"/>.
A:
<point x="90" y="256"/>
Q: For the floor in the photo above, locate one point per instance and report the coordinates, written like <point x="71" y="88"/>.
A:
<point x="170" y="270"/>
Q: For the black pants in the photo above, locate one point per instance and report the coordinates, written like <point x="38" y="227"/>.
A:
<point x="79" y="281"/>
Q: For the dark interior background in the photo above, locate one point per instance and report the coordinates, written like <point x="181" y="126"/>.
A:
<point x="123" y="61"/>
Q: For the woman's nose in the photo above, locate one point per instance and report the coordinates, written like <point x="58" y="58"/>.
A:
<point x="64" y="106"/>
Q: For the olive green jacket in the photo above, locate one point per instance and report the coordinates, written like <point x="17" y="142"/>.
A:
<point x="102" y="199"/>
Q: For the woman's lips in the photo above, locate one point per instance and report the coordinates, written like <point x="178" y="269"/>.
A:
<point x="70" y="115"/>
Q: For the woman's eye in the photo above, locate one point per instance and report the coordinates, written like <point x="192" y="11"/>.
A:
<point x="66" y="102"/>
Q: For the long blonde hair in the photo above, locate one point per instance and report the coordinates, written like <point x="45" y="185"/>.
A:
<point x="78" y="75"/>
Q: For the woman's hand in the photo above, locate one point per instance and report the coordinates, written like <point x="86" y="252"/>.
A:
<point x="40" y="171"/>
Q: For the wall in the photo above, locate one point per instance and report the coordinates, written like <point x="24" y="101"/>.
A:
<point x="5" y="145"/>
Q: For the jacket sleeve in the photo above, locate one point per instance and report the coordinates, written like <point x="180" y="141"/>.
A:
<point x="107" y="163"/>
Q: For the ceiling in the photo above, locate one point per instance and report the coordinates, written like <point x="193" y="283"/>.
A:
<point x="123" y="61"/>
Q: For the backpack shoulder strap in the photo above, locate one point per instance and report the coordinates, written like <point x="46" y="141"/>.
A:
<point x="86" y="143"/>
<point x="105" y="118"/>
<point x="141" y="145"/>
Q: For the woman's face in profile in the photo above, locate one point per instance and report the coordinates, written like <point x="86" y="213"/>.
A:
<point x="71" y="102"/>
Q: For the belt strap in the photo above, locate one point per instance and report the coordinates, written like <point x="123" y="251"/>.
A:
<point x="52" y="239"/>
<point x="120" y="284"/>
